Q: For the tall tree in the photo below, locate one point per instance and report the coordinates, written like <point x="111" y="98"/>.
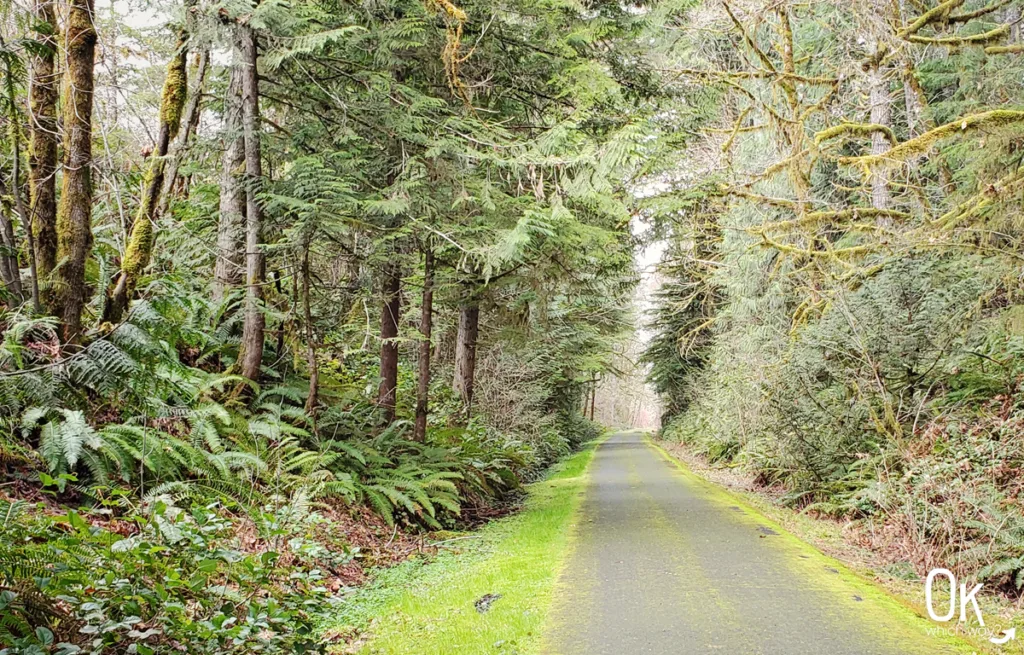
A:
<point x="387" y="394"/>
<point x="10" y="272"/>
<point x="230" y="264"/>
<point x="74" y="214"/>
<point x="42" y="153"/>
<point x="313" y="397"/>
<point x="251" y="351"/>
<point x="423" y="361"/>
<point x="11" y="256"/>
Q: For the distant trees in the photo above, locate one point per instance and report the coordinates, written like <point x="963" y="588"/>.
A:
<point x="374" y="185"/>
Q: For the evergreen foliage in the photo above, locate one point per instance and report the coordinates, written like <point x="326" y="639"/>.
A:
<point x="184" y="486"/>
<point x="851" y="337"/>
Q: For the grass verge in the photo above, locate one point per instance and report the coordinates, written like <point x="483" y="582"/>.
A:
<point x="429" y="608"/>
<point x="824" y="542"/>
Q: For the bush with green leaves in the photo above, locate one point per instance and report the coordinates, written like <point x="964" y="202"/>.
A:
<point x="179" y="581"/>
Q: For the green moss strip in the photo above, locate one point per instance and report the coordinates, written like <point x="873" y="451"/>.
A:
<point x="430" y="609"/>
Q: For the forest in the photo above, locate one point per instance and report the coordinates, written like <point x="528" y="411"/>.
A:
<point x="290" y="286"/>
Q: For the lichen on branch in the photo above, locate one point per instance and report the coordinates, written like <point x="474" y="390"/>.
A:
<point x="920" y="145"/>
<point x="855" y="129"/>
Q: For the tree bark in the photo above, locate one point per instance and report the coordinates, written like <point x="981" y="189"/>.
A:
<point x="465" y="352"/>
<point x="593" y="395"/>
<point x="426" y="324"/>
<point x="19" y="205"/>
<point x="877" y="71"/>
<point x="74" y="213"/>
<point x="880" y="114"/>
<point x="312" y="400"/>
<point x="42" y="150"/>
<point x="387" y="394"/>
<point x="139" y="250"/>
<point x="251" y="351"/>
<point x="227" y="272"/>
<point x="9" y="273"/>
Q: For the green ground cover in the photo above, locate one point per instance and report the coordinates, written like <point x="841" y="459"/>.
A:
<point x="431" y="607"/>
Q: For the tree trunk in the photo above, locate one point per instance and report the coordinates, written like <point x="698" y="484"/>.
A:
<point x="189" y="122"/>
<point x="9" y="273"/>
<point x="881" y="114"/>
<point x="312" y="400"/>
<point x="426" y="323"/>
<point x="465" y="352"/>
<point x="74" y="214"/>
<point x="8" y="228"/>
<point x="227" y="272"/>
<point x="1012" y="18"/>
<point x="387" y="393"/>
<point x="139" y="250"/>
<point x="42" y="151"/>
<point x="251" y="351"/>
<point x="593" y="395"/>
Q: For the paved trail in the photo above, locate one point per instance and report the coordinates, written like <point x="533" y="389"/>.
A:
<point x="664" y="564"/>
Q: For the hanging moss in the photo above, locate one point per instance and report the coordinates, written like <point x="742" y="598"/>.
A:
<point x="812" y="218"/>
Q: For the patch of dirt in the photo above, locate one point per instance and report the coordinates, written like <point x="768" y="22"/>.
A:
<point x="379" y="544"/>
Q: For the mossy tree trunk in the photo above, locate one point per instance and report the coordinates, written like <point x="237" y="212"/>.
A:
<point x="426" y="325"/>
<point x="251" y="351"/>
<point x="387" y="393"/>
<point x="74" y="213"/>
<point x="230" y="266"/>
<point x="42" y="151"/>
<point x="881" y="114"/>
<point x="189" y="123"/>
<point x="19" y="204"/>
<point x="9" y="273"/>
<point x="139" y="250"/>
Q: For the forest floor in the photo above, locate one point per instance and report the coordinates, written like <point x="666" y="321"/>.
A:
<point x="484" y="592"/>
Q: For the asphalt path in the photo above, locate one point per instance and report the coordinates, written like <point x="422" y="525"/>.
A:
<point x="663" y="562"/>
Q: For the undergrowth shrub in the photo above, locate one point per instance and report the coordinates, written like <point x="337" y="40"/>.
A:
<point x="179" y="582"/>
<point x="896" y="406"/>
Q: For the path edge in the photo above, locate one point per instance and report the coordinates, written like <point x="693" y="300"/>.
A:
<point x="907" y="611"/>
